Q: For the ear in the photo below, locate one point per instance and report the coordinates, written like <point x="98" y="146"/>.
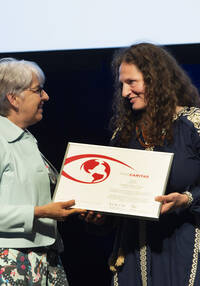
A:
<point x="13" y="99"/>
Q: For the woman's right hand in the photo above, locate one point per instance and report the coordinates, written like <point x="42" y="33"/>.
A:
<point x="57" y="211"/>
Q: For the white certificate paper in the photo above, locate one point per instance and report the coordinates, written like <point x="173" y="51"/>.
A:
<point x="113" y="180"/>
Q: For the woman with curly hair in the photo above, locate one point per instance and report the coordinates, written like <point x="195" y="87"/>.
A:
<point x="156" y="108"/>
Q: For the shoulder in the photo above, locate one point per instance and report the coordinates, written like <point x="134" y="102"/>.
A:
<point x="5" y="153"/>
<point x="3" y="143"/>
<point x="4" y="149"/>
<point x="191" y="116"/>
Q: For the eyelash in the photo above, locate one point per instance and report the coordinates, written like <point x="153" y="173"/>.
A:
<point x="131" y="82"/>
<point x="38" y="90"/>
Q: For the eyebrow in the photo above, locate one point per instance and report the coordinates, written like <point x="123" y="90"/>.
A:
<point x="36" y="87"/>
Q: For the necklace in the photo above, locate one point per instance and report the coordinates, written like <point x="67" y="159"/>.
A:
<point x="142" y="138"/>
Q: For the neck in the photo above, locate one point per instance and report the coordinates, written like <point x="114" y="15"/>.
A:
<point x="16" y="120"/>
<point x="179" y="108"/>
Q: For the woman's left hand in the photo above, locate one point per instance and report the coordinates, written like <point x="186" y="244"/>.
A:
<point x="93" y="217"/>
<point x="172" y="201"/>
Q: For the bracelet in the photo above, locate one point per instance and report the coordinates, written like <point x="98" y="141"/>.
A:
<point x="190" y="198"/>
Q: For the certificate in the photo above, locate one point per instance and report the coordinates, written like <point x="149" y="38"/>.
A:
<point x="113" y="180"/>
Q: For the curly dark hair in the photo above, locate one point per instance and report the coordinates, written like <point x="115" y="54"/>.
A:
<point x="167" y="86"/>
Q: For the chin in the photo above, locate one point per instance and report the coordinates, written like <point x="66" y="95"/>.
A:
<point x="138" y="107"/>
<point x="36" y="120"/>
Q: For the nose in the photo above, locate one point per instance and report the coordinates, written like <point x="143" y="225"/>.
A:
<point x="45" y="96"/>
<point x="125" y="90"/>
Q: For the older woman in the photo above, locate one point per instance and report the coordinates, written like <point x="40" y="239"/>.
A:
<point x="28" y="235"/>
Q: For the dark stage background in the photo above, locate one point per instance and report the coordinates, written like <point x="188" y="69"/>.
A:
<point x="80" y="86"/>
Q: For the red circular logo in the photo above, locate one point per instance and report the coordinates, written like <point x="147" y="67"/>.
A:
<point x="98" y="169"/>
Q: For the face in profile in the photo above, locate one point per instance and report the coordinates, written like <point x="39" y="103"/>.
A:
<point x="31" y="103"/>
<point x="133" y="86"/>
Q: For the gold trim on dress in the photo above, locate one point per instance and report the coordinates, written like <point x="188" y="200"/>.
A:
<point x="195" y="257"/>
<point x="115" y="133"/>
<point x="143" y="252"/>
<point x="193" y="115"/>
<point x="115" y="279"/>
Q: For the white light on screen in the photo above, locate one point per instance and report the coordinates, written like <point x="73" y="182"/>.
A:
<point x="39" y="25"/>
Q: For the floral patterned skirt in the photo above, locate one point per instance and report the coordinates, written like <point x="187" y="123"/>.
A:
<point x="37" y="266"/>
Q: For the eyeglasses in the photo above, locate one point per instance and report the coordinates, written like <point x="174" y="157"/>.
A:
<point x="39" y="90"/>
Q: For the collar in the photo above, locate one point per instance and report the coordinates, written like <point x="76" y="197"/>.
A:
<point x="10" y="131"/>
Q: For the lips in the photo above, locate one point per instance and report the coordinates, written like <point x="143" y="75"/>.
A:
<point x="40" y="108"/>
<point x="132" y="99"/>
<point x="40" y="105"/>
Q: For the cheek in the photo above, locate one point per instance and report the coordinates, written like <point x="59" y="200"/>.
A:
<point x="142" y="88"/>
<point x="35" y="104"/>
<point x="139" y="88"/>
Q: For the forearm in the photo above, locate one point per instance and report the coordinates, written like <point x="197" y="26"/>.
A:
<point x="39" y="212"/>
<point x="18" y="218"/>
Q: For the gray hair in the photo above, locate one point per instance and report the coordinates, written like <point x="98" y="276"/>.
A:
<point x="15" y="77"/>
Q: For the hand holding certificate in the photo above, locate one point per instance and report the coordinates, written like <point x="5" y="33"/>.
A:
<point x="114" y="180"/>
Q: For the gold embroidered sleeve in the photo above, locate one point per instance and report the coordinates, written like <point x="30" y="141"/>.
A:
<point x="193" y="115"/>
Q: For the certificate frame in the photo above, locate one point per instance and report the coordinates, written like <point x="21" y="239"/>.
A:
<point x="113" y="180"/>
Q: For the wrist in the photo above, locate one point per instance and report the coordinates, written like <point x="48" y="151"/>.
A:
<point x="189" y="198"/>
<point x="39" y="212"/>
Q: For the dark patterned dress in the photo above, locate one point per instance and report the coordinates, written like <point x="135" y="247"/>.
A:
<point x="166" y="253"/>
